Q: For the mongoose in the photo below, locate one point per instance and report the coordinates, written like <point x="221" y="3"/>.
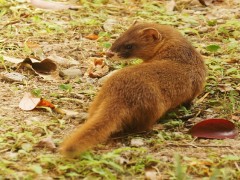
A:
<point x="135" y="97"/>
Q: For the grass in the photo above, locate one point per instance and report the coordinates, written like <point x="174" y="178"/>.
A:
<point x="169" y="152"/>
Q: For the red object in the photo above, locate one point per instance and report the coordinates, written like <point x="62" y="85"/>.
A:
<point x="214" y="129"/>
<point x="46" y="103"/>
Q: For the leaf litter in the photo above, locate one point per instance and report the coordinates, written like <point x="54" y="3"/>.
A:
<point x="168" y="151"/>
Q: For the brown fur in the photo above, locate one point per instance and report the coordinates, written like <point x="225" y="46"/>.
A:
<point x="134" y="98"/>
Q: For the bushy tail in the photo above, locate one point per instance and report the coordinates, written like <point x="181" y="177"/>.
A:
<point x="97" y="129"/>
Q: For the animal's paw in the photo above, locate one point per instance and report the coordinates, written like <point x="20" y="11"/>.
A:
<point x="69" y="150"/>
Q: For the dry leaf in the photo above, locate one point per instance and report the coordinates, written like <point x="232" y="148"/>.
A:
<point x="71" y="73"/>
<point x="46" y="103"/>
<point x="46" y="68"/>
<point x="97" y="69"/>
<point x="170" y="5"/>
<point x="36" y="49"/>
<point x="63" y="61"/>
<point x="202" y="2"/>
<point x="54" y="76"/>
<point x="109" y="24"/>
<point x="67" y="112"/>
<point x="151" y="174"/>
<point x="29" y="102"/>
<point x="47" y="143"/>
<point x="13" y="77"/>
<point x="202" y="98"/>
<point x="92" y="36"/>
<point x="12" y="59"/>
<point x="32" y="45"/>
<point x="137" y="142"/>
<point x="225" y="87"/>
<point x="52" y="5"/>
<point x="236" y="118"/>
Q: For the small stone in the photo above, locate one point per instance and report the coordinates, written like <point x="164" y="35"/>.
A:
<point x="137" y="142"/>
<point x="109" y="24"/>
<point x="13" y="77"/>
<point x="71" y="73"/>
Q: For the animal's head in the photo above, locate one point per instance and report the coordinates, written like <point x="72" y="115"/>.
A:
<point x="141" y="40"/>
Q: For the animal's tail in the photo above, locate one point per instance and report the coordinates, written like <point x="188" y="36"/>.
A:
<point x="97" y="129"/>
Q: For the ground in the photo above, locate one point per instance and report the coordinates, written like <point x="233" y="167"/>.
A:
<point x="29" y="139"/>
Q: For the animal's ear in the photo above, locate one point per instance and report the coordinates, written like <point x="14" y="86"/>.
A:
<point x="150" y="34"/>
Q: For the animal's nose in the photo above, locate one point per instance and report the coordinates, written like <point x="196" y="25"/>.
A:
<point x="109" y="54"/>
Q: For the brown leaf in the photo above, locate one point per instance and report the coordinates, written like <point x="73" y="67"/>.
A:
<point x="45" y="66"/>
<point x="47" y="143"/>
<point x="65" y="62"/>
<point x="202" y="2"/>
<point x="92" y="36"/>
<point x="12" y="59"/>
<point x="29" y="102"/>
<point x="97" y="69"/>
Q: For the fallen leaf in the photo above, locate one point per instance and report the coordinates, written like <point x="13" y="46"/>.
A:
<point x="13" y="77"/>
<point x="36" y="49"/>
<point x="47" y="143"/>
<point x="214" y="129"/>
<point x="52" y="5"/>
<point x="54" y="76"/>
<point x="46" y="68"/>
<point x="92" y="36"/>
<point x="67" y="112"/>
<point x="97" y="69"/>
<point x="170" y="5"/>
<point x="202" y="2"/>
<point x="151" y="174"/>
<point x="109" y="24"/>
<point x="225" y="87"/>
<point x="137" y="142"/>
<point x="236" y="118"/>
<point x="12" y="59"/>
<point x="29" y="102"/>
<point x="46" y="103"/>
<point x="71" y="73"/>
<point x="65" y="62"/>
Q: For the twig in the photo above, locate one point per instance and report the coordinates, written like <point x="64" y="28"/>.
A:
<point x="121" y="136"/>
<point x="10" y="23"/>
<point x="199" y="145"/>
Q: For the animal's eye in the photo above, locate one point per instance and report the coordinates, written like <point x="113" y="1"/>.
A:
<point x="129" y="46"/>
